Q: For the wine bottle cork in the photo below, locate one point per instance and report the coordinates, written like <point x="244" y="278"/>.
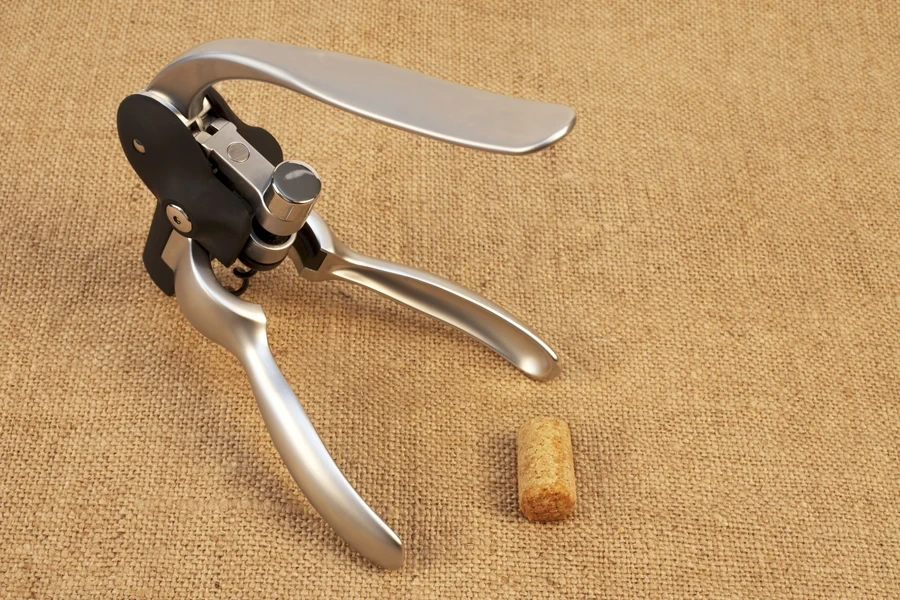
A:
<point x="546" y="470"/>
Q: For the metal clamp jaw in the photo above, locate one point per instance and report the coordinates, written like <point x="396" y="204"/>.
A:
<point x="224" y="192"/>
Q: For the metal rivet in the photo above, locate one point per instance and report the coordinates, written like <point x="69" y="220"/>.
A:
<point x="238" y="152"/>
<point x="138" y="145"/>
<point x="178" y="218"/>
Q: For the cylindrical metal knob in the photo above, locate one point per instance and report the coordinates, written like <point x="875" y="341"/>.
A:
<point x="296" y="186"/>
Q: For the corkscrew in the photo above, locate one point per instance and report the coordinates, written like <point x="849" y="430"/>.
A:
<point x="225" y="192"/>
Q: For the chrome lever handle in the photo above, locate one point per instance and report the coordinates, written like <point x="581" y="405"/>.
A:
<point x="240" y="327"/>
<point x="433" y="295"/>
<point x="385" y="93"/>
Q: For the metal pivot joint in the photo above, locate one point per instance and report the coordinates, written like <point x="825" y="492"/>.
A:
<point x="225" y="192"/>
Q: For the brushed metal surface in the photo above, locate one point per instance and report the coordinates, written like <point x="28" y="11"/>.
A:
<point x="385" y="93"/>
<point x="240" y="327"/>
<point x="435" y="296"/>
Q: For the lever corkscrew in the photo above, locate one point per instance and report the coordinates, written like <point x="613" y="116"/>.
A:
<point x="225" y="192"/>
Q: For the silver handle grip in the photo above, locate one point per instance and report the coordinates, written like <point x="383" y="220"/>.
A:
<point x="435" y="296"/>
<point x="240" y="327"/>
<point x="385" y="93"/>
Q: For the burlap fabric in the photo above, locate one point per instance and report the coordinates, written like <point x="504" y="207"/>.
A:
<point x="714" y="252"/>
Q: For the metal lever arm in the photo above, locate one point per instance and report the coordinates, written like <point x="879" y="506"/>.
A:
<point x="385" y="93"/>
<point x="428" y="293"/>
<point x="240" y="327"/>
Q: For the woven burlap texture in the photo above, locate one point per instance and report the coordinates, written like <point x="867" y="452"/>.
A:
<point x="714" y="252"/>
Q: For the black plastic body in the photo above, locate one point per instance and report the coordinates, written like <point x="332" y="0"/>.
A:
<point x="176" y="170"/>
<point x="307" y="247"/>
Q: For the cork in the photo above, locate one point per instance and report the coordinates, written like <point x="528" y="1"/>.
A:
<point x="546" y="470"/>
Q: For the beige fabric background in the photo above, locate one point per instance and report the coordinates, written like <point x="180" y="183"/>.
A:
<point x="714" y="252"/>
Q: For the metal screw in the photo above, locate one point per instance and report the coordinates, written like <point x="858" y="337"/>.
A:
<point x="138" y="145"/>
<point x="238" y="152"/>
<point x="178" y="218"/>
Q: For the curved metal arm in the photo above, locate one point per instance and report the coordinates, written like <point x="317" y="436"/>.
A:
<point x="385" y="93"/>
<point x="240" y="327"/>
<point x="433" y="295"/>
